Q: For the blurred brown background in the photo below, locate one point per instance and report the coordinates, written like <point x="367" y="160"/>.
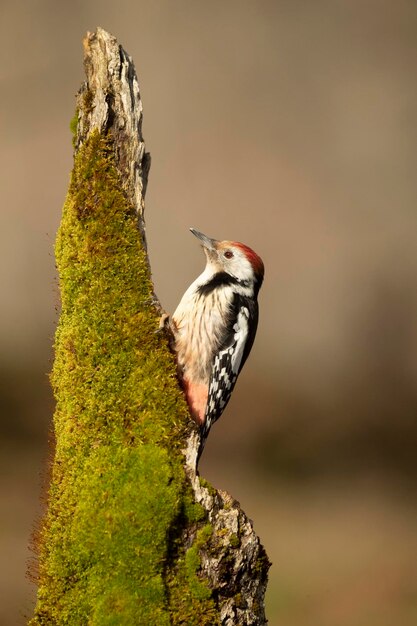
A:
<point x="290" y="126"/>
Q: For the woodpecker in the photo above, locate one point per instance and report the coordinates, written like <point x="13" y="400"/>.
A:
<point x="214" y="327"/>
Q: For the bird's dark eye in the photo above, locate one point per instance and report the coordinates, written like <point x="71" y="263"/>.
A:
<point x="228" y="254"/>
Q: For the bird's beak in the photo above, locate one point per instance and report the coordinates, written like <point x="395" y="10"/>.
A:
<point x="208" y="243"/>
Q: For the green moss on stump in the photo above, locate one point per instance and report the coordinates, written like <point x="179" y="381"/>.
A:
<point x="193" y="562"/>
<point x="118" y="490"/>
<point x="74" y="127"/>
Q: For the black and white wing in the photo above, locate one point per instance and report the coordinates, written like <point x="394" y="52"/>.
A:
<point x="229" y="361"/>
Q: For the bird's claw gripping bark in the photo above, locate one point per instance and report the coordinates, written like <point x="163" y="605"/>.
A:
<point x="164" y="323"/>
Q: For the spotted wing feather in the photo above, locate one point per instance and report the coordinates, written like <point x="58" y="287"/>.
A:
<point x="229" y="361"/>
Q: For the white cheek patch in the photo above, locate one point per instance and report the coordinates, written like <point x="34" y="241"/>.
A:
<point x="241" y="268"/>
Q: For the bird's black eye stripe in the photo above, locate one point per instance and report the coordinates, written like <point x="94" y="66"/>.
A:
<point x="228" y="254"/>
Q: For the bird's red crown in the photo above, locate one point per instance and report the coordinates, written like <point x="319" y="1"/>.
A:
<point x="254" y="259"/>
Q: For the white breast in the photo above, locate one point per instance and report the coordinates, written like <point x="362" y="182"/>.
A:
<point x="199" y="323"/>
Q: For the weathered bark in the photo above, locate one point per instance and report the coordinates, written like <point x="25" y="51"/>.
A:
<point x="109" y="101"/>
<point x="212" y="566"/>
<point x="238" y="576"/>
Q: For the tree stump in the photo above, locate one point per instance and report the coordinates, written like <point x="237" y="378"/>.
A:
<point x="131" y="534"/>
